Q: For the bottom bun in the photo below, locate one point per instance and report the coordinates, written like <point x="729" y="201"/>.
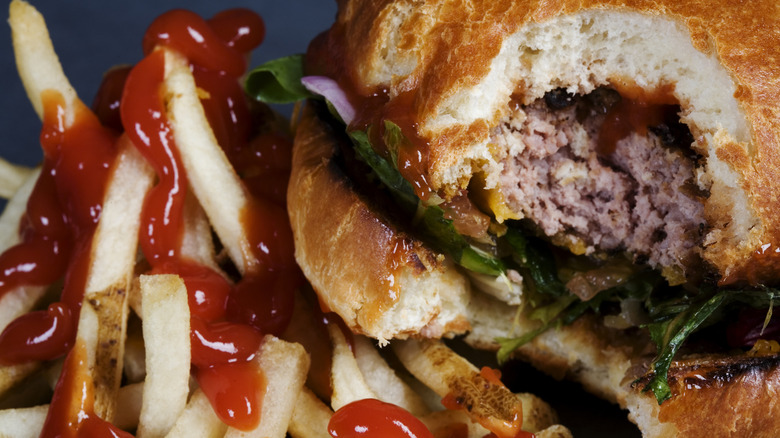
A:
<point x="712" y="395"/>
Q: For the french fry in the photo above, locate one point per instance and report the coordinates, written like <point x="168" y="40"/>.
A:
<point x="197" y="240"/>
<point x="213" y="179"/>
<point x="314" y="339"/>
<point x="128" y="406"/>
<point x="32" y="391"/>
<point x="284" y="365"/>
<point x="87" y="334"/>
<point x="310" y="417"/>
<point x="134" y="358"/>
<point x="17" y="302"/>
<point x="383" y="380"/>
<point x="198" y="419"/>
<point x="22" y="422"/>
<point x="14" y="209"/>
<point x="113" y="255"/>
<point x="166" y="328"/>
<point x="37" y="63"/>
<point x="115" y="244"/>
<point x="10" y="375"/>
<point x="12" y="177"/>
<point x="347" y="380"/>
<point x="446" y="372"/>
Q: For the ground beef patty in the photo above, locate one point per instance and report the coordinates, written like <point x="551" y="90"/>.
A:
<point x="632" y="199"/>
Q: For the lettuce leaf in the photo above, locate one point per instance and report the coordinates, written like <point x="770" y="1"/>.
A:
<point x="278" y="81"/>
<point x="538" y="262"/>
<point x="568" y="308"/>
<point x="438" y="229"/>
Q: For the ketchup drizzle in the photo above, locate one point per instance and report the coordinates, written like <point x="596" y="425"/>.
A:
<point x="56" y="230"/>
<point x="227" y="322"/>
<point x="143" y="117"/>
<point x="71" y="413"/>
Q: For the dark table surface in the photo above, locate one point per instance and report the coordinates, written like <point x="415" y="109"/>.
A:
<point x="90" y="36"/>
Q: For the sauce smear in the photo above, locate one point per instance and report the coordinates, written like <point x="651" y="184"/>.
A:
<point x="374" y="418"/>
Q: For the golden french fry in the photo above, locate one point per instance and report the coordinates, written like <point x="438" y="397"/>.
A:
<point x="128" y="406"/>
<point x="285" y="365"/>
<point x="10" y="375"/>
<point x="115" y="243"/>
<point x="110" y="307"/>
<point x="32" y="391"/>
<point x="212" y="178"/>
<point x="113" y="256"/>
<point x="383" y="380"/>
<point x="166" y="329"/>
<point x="198" y="419"/>
<point x="17" y="302"/>
<point x="537" y="414"/>
<point x="310" y="417"/>
<point x="23" y="422"/>
<point x="197" y="240"/>
<point x="315" y="340"/>
<point x="12" y="177"/>
<point x="14" y="209"/>
<point x="134" y="359"/>
<point x="347" y="380"/>
<point x="37" y="63"/>
<point x="418" y="357"/>
<point x="87" y="333"/>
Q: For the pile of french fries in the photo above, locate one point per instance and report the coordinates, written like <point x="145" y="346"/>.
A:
<point x="135" y="329"/>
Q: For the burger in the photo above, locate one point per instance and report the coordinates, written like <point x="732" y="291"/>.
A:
<point x="588" y="186"/>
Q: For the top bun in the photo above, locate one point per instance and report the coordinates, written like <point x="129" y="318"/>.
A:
<point x="465" y="64"/>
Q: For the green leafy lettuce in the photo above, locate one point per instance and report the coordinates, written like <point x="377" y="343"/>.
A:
<point x="278" y="81"/>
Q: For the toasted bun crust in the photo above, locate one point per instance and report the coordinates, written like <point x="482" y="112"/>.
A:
<point x="463" y="61"/>
<point x="382" y="282"/>
<point x="713" y="395"/>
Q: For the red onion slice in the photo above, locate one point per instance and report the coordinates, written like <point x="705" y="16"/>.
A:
<point x="330" y="90"/>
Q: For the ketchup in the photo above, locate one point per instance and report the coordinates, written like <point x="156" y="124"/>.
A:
<point x="637" y="110"/>
<point x="374" y="418"/>
<point x="56" y="230"/>
<point x="228" y="321"/>
<point x="71" y="411"/>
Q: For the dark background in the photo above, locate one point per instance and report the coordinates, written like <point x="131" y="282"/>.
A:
<point x="90" y="36"/>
